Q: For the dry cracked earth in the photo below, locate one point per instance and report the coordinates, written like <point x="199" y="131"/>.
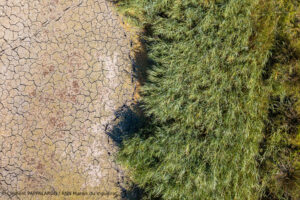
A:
<point x="65" y="71"/>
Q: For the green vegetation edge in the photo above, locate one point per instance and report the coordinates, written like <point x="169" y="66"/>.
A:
<point x="221" y="98"/>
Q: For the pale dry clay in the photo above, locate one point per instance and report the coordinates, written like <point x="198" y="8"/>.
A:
<point x="64" y="71"/>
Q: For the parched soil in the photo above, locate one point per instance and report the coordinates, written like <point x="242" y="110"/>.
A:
<point x="64" y="72"/>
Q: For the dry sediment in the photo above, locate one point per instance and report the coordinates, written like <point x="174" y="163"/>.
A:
<point x="64" y="71"/>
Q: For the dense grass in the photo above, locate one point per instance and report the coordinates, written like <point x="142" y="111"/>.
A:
<point x="222" y="99"/>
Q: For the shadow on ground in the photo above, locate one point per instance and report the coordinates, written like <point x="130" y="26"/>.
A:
<point x="127" y="122"/>
<point x="129" y="119"/>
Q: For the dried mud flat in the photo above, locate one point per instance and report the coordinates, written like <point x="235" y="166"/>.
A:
<point x="64" y="72"/>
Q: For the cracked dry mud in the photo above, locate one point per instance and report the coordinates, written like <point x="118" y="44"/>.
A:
<point x="64" y="71"/>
